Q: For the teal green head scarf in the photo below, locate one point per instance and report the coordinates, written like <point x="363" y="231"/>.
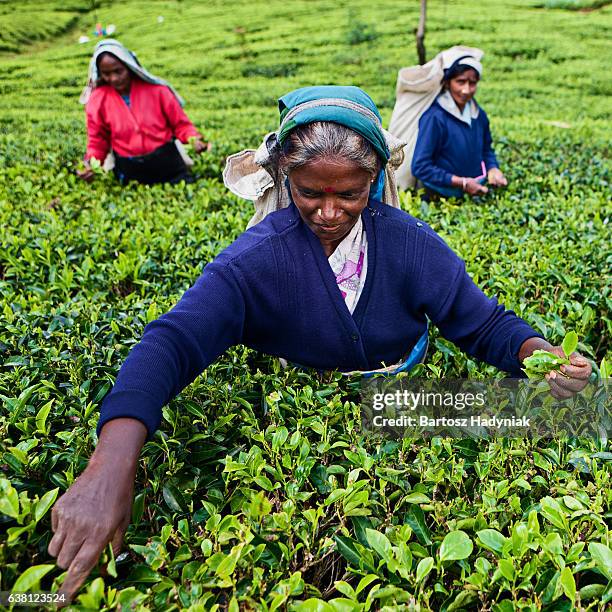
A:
<point x="346" y="105"/>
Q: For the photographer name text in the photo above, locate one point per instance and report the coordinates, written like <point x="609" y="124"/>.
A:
<point x="473" y="421"/>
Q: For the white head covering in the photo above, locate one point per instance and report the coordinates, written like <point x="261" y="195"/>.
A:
<point x="124" y="55"/>
<point x="472" y="62"/>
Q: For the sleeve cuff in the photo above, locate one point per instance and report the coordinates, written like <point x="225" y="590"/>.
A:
<point x="184" y="138"/>
<point x="95" y="155"/>
<point x="515" y="343"/>
<point x="448" y="179"/>
<point x="131" y="405"/>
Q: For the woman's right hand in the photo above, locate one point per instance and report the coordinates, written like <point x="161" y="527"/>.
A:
<point x="96" y="509"/>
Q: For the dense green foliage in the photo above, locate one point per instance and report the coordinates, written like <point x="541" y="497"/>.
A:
<point x="261" y="491"/>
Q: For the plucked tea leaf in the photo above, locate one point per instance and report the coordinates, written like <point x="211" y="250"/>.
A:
<point x="570" y="342"/>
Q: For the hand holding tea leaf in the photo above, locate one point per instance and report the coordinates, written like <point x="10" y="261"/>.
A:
<point x="200" y="146"/>
<point x="566" y="371"/>
<point x="542" y="362"/>
<point x="89" y="170"/>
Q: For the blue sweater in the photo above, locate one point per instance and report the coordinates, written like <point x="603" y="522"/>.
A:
<point x="447" y="145"/>
<point x="273" y="290"/>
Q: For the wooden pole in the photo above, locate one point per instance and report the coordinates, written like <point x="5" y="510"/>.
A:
<point x="420" y="33"/>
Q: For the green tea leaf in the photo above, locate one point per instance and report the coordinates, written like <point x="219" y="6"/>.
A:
<point x="423" y="568"/>
<point x="264" y="482"/>
<point x="41" y="418"/>
<point x="347" y="547"/>
<point x="279" y="438"/>
<point x="591" y="591"/>
<point x="602" y="555"/>
<point x="455" y="546"/>
<point x="492" y="540"/>
<point x="568" y="583"/>
<point x="506" y="567"/>
<point x="30" y="579"/>
<point x="416" y="519"/>
<point x="228" y="564"/>
<point x="416" y="498"/>
<point x="379" y="542"/>
<point x="570" y="342"/>
<point x="44" y="503"/>
<point x="9" y="499"/>
<point x="552" y="510"/>
<point x="138" y="507"/>
<point x="174" y="498"/>
<point x="604" y="370"/>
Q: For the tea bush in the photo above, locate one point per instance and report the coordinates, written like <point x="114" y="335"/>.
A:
<point x="261" y="491"/>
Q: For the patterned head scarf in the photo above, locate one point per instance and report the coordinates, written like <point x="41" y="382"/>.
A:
<point x="349" y="106"/>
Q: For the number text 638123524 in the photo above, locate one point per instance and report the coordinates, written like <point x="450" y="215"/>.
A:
<point x="32" y="598"/>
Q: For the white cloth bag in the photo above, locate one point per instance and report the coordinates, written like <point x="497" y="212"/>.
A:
<point x="109" y="160"/>
<point x="417" y="88"/>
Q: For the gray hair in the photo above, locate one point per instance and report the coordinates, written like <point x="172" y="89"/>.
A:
<point x="328" y="140"/>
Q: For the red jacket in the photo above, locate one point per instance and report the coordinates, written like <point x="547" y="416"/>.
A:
<point x="153" y="118"/>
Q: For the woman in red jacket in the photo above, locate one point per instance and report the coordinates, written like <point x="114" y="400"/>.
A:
<point x="137" y="117"/>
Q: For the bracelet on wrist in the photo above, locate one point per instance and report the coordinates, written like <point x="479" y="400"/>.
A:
<point x="463" y="183"/>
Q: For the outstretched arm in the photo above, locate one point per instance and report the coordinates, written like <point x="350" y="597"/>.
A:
<point x="482" y="327"/>
<point x="174" y="349"/>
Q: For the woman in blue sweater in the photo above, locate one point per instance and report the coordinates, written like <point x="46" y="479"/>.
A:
<point x="453" y="153"/>
<point x="335" y="279"/>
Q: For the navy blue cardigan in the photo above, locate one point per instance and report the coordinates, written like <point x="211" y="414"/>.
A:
<point x="446" y="146"/>
<point x="273" y="290"/>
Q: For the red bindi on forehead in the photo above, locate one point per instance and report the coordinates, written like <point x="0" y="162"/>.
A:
<point x="328" y="190"/>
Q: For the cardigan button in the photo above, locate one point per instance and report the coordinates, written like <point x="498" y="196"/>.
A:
<point x="355" y="337"/>
<point x="419" y="224"/>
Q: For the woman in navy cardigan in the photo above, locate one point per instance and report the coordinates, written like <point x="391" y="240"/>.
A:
<point x="335" y="279"/>
<point x="453" y="153"/>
